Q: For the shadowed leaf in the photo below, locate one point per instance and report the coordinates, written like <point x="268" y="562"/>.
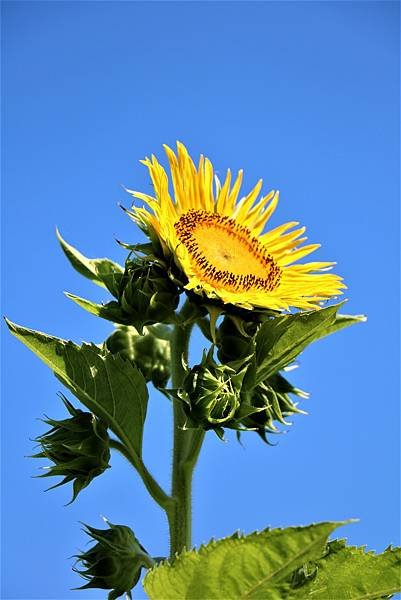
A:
<point x="112" y="388"/>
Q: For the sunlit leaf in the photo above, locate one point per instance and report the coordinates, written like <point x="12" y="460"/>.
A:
<point x="254" y="566"/>
<point x="280" y="340"/>
<point x="102" y="271"/>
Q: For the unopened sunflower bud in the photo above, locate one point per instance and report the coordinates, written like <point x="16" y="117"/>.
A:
<point x="147" y="295"/>
<point x="212" y="395"/>
<point x="114" y="562"/>
<point x="150" y="353"/>
<point x="273" y="403"/>
<point x="78" y="447"/>
<point x="234" y="344"/>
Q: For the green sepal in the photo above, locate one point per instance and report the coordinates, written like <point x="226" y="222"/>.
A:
<point x="214" y="313"/>
<point x="204" y="325"/>
<point x="156" y="250"/>
<point x="146" y="249"/>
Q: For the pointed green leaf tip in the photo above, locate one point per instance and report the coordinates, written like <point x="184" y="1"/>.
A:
<point x="144" y="292"/>
<point x="239" y="567"/>
<point x="110" y="311"/>
<point x="279" y="564"/>
<point x="102" y="271"/>
<point x="109" y="386"/>
<point x="280" y="340"/>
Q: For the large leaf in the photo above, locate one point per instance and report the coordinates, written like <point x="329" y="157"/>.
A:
<point x="109" y="386"/>
<point x="350" y="573"/>
<point x="102" y="271"/>
<point x="280" y="340"/>
<point x="254" y="566"/>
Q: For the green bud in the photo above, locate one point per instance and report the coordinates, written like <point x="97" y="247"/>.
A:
<point x="78" y="447"/>
<point x="114" y="562"/>
<point x="150" y="353"/>
<point x="235" y="339"/>
<point x="212" y="395"/>
<point x="273" y="403"/>
<point x="147" y="294"/>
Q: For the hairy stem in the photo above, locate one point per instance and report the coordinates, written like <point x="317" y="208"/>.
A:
<point x="187" y="445"/>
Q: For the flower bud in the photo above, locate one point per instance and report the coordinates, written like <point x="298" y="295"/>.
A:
<point x="114" y="562"/>
<point x="234" y="344"/>
<point x="150" y="353"/>
<point x="273" y="403"/>
<point x="211" y="395"/>
<point x="147" y="295"/>
<point x="78" y="447"/>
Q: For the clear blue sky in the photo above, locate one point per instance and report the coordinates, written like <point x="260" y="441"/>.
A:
<point x="304" y="95"/>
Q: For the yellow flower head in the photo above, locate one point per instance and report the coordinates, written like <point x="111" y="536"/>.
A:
<point x="219" y="244"/>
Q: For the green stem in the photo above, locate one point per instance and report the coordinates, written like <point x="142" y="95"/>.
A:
<point x="187" y="445"/>
<point x="154" y="489"/>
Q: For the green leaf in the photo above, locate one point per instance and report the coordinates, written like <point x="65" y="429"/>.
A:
<point x="110" y="311"/>
<point x="343" y="321"/>
<point x="107" y="385"/>
<point x="102" y="271"/>
<point x="235" y="568"/>
<point x="350" y="573"/>
<point x="280" y="340"/>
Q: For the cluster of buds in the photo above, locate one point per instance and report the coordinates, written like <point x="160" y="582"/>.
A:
<point x="147" y="295"/>
<point x="149" y="352"/>
<point x="218" y="396"/>
<point x="114" y="562"/>
<point x="78" y="447"/>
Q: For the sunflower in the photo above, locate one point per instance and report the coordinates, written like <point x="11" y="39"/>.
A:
<point x="217" y="241"/>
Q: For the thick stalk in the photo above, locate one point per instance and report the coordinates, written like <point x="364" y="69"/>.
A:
<point x="187" y="445"/>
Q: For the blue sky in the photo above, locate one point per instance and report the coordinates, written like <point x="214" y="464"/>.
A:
<point x="303" y="94"/>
